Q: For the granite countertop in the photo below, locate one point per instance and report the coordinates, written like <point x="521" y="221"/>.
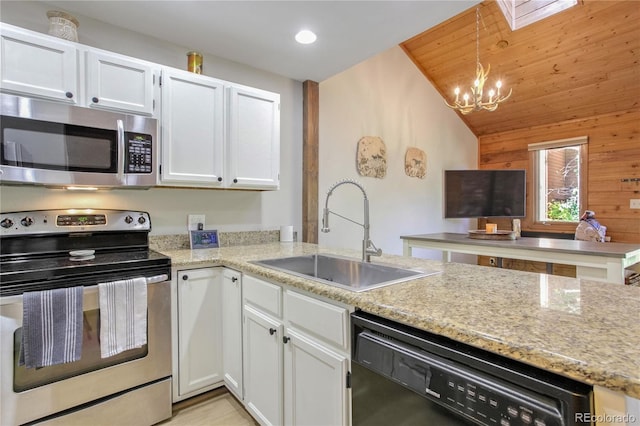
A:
<point x="588" y="248"/>
<point x="586" y="330"/>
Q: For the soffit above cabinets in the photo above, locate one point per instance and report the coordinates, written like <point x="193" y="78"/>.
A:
<point x="261" y="33"/>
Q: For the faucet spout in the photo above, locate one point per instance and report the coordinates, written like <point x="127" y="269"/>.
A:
<point x="368" y="248"/>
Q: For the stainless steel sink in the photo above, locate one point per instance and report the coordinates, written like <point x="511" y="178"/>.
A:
<point x="347" y="273"/>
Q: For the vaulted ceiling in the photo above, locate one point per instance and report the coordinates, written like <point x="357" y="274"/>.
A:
<point x="581" y="62"/>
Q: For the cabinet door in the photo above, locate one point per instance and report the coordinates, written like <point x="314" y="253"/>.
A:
<point x="232" y="330"/>
<point x="199" y="329"/>
<point x="116" y="82"/>
<point x="263" y="366"/>
<point x="192" y="129"/>
<point x="254" y="138"/>
<point x="38" y="65"/>
<point x="315" y="383"/>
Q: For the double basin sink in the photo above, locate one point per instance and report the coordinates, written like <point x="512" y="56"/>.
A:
<point x="343" y="272"/>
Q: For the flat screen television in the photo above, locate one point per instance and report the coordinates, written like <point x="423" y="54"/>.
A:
<point x="484" y="193"/>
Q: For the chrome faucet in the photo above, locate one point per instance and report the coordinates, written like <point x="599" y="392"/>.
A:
<point x="368" y="248"/>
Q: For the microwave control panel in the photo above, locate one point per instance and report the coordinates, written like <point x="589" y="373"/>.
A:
<point x="139" y="153"/>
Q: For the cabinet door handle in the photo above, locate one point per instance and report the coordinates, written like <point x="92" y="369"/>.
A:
<point x="219" y="178"/>
<point x="272" y="331"/>
<point x="94" y="100"/>
<point x="234" y="279"/>
<point x="285" y="339"/>
<point x="235" y="181"/>
<point x="69" y="95"/>
<point x="185" y="277"/>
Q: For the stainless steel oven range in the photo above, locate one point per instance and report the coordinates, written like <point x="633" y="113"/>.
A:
<point x="132" y="387"/>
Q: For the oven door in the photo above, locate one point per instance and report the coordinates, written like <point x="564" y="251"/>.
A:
<point x="31" y="394"/>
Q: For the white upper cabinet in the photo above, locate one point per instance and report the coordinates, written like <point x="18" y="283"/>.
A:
<point x="39" y="65"/>
<point x="254" y="138"/>
<point x="218" y="134"/>
<point x="214" y="133"/>
<point x="117" y="82"/>
<point x="192" y="129"/>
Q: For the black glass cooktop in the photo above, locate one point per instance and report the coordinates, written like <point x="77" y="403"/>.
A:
<point x="30" y="273"/>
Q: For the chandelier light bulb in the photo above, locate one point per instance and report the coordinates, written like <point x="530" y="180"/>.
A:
<point x="466" y="97"/>
<point x="491" y="93"/>
<point x="498" y="84"/>
<point x="476" y="83"/>
<point x="457" y="91"/>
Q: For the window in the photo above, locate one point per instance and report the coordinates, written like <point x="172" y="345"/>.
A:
<point x="559" y="184"/>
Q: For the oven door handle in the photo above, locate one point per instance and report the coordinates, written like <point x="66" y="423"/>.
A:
<point x="157" y="279"/>
<point x="87" y="290"/>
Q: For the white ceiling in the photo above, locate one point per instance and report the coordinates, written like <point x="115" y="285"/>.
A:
<point x="260" y="33"/>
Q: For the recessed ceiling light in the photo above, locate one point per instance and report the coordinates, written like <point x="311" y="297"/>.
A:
<point x="306" y="37"/>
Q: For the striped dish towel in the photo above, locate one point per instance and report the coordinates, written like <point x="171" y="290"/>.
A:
<point x="123" y="315"/>
<point x="51" y="327"/>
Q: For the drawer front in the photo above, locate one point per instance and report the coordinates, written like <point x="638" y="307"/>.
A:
<point x="266" y="296"/>
<point x="323" y="320"/>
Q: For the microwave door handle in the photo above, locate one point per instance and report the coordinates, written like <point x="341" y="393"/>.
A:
<point x="121" y="157"/>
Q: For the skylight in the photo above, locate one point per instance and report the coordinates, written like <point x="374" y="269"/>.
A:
<point x="520" y="13"/>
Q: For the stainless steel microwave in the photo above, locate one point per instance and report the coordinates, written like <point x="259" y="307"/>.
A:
<point x="58" y="145"/>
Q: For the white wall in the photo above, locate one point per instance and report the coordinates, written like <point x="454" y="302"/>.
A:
<point x="224" y="209"/>
<point x="387" y="96"/>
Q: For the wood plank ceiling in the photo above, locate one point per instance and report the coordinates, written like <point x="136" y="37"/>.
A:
<point x="582" y="62"/>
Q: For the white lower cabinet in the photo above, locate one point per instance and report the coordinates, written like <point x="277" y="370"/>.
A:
<point x="263" y="366"/>
<point x="232" y="331"/>
<point x="197" y="339"/>
<point x="314" y="382"/>
<point x="296" y="357"/>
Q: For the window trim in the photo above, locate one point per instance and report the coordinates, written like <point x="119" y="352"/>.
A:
<point x="534" y="148"/>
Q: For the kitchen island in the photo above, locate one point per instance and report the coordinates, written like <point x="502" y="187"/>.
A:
<point x="594" y="261"/>
<point x="585" y="330"/>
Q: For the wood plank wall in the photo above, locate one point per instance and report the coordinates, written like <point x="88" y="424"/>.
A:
<point x="613" y="163"/>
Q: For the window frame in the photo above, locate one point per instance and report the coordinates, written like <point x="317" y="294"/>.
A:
<point x="533" y="209"/>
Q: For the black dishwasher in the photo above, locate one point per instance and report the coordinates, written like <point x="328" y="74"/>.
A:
<point x="405" y="376"/>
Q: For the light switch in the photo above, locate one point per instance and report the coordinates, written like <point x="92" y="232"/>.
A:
<point x="634" y="203"/>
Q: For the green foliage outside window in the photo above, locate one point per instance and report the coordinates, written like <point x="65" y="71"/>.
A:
<point x="564" y="210"/>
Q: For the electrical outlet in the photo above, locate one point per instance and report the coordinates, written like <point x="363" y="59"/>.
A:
<point x="634" y="203"/>
<point x="193" y="220"/>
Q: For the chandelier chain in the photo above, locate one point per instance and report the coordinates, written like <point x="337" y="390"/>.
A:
<point x="477" y="35"/>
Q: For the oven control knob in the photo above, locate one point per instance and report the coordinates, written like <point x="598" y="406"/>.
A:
<point x="128" y="219"/>
<point x="26" y="221"/>
<point x="6" y="223"/>
<point x="141" y="220"/>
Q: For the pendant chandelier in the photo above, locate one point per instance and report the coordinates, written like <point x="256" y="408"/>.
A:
<point x="474" y="101"/>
